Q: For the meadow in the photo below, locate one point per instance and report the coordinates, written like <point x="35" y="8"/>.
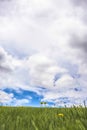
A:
<point x="29" y="118"/>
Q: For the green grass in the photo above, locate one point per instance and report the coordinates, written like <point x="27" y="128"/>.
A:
<point x="29" y="118"/>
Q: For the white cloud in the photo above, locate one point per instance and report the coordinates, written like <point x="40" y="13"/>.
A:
<point x="43" y="70"/>
<point x="21" y="102"/>
<point x="7" y="61"/>
<point x="66" y="82"/>
<point x="5" y="97"/>
<point x="9" y="99"/>
<point x="47" y="32"/>
<point x="65" y="97"/>
<point x="9" y="68"/>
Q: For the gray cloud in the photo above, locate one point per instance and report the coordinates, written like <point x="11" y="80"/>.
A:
<point x="4" y="65"/>
<point x="80" y="2"/>
<point x="4" y="69"/>
<point x="45" y="17"/>
<point x="81" y="45"/>
<point x="80" y="7"/>
<point x="6" y="7"/>
<point x="1" y="56"/>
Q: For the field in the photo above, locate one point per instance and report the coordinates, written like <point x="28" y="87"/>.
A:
<point x="29" y="118"/>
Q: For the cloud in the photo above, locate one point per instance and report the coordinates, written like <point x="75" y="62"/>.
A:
<point x="5" y="97"/>
<point x="39" y="70"/>
<point x="67" y="91"/>
<point x="68" y="97"/>
<point x="44" y="46"/>
<point x="4" y="61"/>
<point x="9" y="68"/>
<point x="80" y="43"/>
<point x="43" y="70"/>
<point x="7" y="63"/>
<point x="20" y="102"/>
<point x="9" y="99"/>
<point x="65" y="81"/>
<point x="79" y="2"/>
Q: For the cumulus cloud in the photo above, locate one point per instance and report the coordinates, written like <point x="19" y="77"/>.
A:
<point x="9" y="99"/>
<point x="3" y="65"/>
<point x="5" y="97"/>
<point x="68" y="97"/>
<point x="39" y="70"/>
<point x="20" y="102"/>
<point x="51" y="37"/>
<point x="7" y="63"/>
<point x="8" y="69"/>
<point x="43" y="70"/>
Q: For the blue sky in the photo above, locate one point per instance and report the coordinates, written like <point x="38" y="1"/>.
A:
<point x="43" y="52"/>
<point x="32" y="97"/>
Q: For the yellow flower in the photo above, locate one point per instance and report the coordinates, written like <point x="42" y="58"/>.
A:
<point x="60" y="114"/>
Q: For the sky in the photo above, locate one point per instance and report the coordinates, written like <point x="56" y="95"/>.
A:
<point x="43" y="52"/>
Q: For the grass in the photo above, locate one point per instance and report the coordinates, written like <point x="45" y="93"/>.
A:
<point x="29" y="118"/>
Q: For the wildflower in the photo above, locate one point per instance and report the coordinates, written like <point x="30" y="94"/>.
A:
<point x="60" y="114"/>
